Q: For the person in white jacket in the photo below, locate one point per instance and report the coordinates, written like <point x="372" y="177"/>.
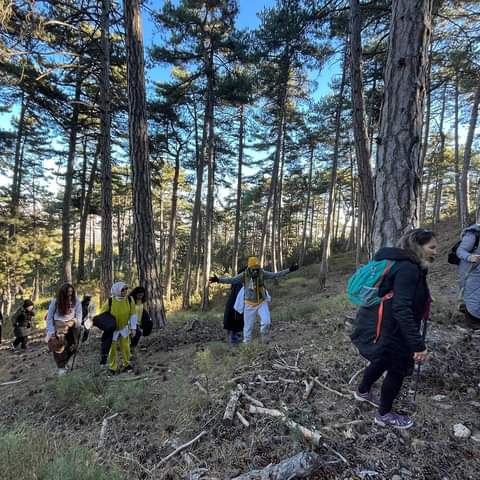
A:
<point x="64" y="319"/>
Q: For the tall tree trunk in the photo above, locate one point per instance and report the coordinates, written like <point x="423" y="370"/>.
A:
<point x="84" y="217"/>
<point x="307" y="207"/>
<point x="464" y="194"/>
<point x="209" y="117"/>
<point x="398" y="152"/>
<point x="172" y="234"/>
<point x="333" y="181"/>
<point x="146" y="255"/>
<point x="426" y="134"/>
<point x="441" y="160"/>
<point x="106" y="263"/>
<point x="67" y="196"/>
<point x="362" y="146"/>
<point x="18" y="164"/>
<point x="238" y="206"/>
<point x="457" y="150"/>
<point x="191" y="258"/>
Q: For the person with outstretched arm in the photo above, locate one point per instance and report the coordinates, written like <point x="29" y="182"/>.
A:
<point x="256" y="297"/>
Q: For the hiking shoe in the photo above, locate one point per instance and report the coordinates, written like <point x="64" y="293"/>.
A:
<point x="128" y="369"/>
<point x="394" y="420"/>
<point x="368" y="397"/>
<point x="265" y="338"/>
<point x="61" y="371"/>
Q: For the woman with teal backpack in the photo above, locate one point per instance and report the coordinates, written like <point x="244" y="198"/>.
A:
<point x="388" y="333"/>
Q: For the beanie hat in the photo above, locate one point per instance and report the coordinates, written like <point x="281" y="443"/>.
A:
<point x="253" y="262"/>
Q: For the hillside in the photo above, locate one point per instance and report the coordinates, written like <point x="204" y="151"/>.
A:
<point x="185" y="374"/>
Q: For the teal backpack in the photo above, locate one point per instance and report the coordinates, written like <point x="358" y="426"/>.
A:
<point x="362" y="286"/>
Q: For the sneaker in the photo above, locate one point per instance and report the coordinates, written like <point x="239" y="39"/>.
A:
<point x="61" y="371"/>
<point x="265" y="338"/>
<point x="368" y="397"/>
<point x="394" y="420"/>
<point x="128" y="369"/>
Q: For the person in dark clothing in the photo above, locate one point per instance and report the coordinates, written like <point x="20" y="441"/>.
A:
<point x="139" y="298"/>
<point x="405" y="303"/>
<point x="21" y="321"/>
<point x="233" y="320"/>
<point x="88" y="312"/>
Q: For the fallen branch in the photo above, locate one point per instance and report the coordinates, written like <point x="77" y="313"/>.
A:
<point x="232" y="403"/>
<point x="302" y="465"/>
<point x="11" y="382"/>
<point x="103" y="430"/>
<point x="256" y="402"/>
<point x="264" y="380"/>
<point x="328" y="388"/>
<point x="179" y="449"/>
<point x="242" y="419"/>
<point x="311" y="435"/>
<point x="308" y="389"/>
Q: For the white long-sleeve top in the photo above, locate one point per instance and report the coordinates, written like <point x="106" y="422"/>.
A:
<point x="54" y="315"/>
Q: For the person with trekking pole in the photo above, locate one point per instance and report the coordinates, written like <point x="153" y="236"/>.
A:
<point x="256" y="297"/>
<point x="64" y="320"/>
<point x="388" y="333"/>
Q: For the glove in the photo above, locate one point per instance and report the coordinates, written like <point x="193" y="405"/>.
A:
<point x="293" y="267"/>
<point x="213" y="279"/>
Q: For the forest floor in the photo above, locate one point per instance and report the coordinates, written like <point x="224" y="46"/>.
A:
<point x="185" y="374"/>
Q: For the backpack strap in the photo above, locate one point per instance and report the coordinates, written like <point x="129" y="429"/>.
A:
<point x="378" y="328"/>
<point x="384" y="274"/>
<point x="110" y="304"/>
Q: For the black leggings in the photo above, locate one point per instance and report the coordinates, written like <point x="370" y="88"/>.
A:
<point x="391" y="385"/>
<point x="20" y="340"/>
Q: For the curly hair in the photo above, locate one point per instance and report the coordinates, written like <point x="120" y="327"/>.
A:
<point x="413" y="241"/>
<point x="64" y="303"/>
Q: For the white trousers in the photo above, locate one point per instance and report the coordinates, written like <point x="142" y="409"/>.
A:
<point x="250" y="313"/>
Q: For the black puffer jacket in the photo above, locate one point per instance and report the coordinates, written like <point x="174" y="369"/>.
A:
<point x="22" y="323"/>
<point x="402" y="315"/>
<point x="232" y="320"/>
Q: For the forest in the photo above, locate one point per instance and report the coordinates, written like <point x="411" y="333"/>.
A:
<point x="171" y="143"/>
<point x="108" y="174"/>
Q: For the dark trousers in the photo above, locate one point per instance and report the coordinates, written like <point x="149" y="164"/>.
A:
<point x="397" y="369"/>
<point x="20" y="340"/>
<point x="136" y="338"/>
<point x="71" y="341"/>
<point x="107" y="324"/>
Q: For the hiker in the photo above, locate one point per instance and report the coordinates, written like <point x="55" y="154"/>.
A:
<point x="256" y="297"/>
<point x="64" y="320"/>
<point x="388" y="335"/>
<point x="123" y="310"/>
<point x="88" y="312"/>
<point x="144" y="322"/>
<point x="232" y="319"/>
<point x="21" y="321"/>
<point x="468" y="253"/>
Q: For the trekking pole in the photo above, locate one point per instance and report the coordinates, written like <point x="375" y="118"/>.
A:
<point x="419" y="365"/>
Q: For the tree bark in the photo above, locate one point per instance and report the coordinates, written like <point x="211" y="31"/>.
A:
<point x="172" y="234"/>
<point x="191" y="258"/>
<point x="307" y="207"/>
<point x="145" y="253"/>
<point x="238" y="206"/>
<point x="398" y="153"/>
<point x="106" y="256"/>
<point x="464" y="194"/>
<point x="67" y="196"/>
<point x="457" y="150"/>
<point x="362" y="145"/>
<point x="209" y="117"/>
<point x="441" y="159"/>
